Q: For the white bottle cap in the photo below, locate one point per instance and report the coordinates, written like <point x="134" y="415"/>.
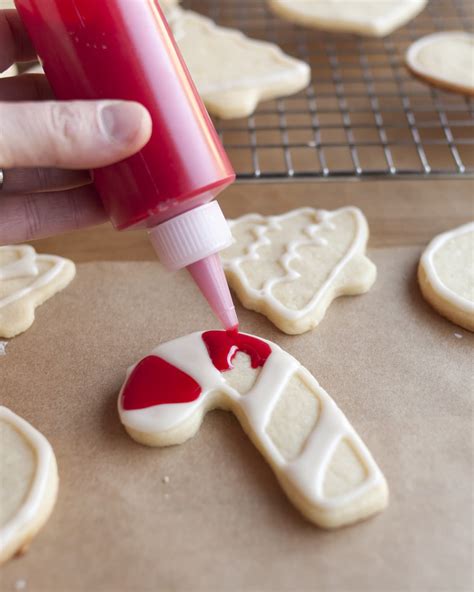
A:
<point x="191" y="236"/>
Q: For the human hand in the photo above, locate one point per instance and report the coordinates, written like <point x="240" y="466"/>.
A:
<point x="46" y="147"/>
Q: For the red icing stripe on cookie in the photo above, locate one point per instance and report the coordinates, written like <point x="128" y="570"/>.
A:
<point x="223" y="345"/>
<point x="154" y="381"/>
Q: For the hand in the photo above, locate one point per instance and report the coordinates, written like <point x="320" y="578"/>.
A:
<point x="45" y="145"/>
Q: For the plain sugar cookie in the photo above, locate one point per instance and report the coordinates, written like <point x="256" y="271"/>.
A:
<point x="26" y="281"/>
<point x="446" y="275"/>
<point x="319" y="460"/>
<point x="232" y="72"/>
<point x="365" y="17"/>
<point x="291" y="267"/>
<point x="444" y="59"/>
<point x="28" y="483"/>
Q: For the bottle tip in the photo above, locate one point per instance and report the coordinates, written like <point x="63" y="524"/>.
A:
<point x="209" y="276"/>
<point x="228" y="319"/>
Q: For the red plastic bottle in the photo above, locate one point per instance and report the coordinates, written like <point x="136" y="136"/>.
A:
<point x="123" y="49"/>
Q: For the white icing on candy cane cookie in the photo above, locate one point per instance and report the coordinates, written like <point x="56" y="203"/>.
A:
<point x="320" y="461"/>
<point x="291" y="267"/>
<point x="26" y="281"/>
<point x="446" y="275"/>
<point x="28" y="483"/>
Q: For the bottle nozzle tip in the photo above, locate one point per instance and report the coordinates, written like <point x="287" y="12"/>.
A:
<point x="209" y="276"/>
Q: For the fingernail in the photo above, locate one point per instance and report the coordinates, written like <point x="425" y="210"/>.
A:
<point x="121" y="121"/>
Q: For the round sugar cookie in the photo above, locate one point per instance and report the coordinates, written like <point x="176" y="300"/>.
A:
<point x="28" y="483"/>
<point x="445" y="60"/>
<point x="446" y="275"/>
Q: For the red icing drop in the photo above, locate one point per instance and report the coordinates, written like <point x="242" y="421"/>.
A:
<point x="220" y="343"/>
<point x="155" y="382"/>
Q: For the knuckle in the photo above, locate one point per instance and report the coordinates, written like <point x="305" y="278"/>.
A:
<point x="70" y="131"/>
<point x="32" y="217"/>
<point x="65" y="123"/>
<point x="42" y="179"/>
<point x="6" y="142"/>
<point x="74" y="212"/>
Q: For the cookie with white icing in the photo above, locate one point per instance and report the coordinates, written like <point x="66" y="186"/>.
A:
<point x="365" y="17"/>
<point x="28" y="483"/>
<point x="446" y="275"/>
<point x="232" y="72"/>
<point x="318" y="458"/>
<point x="291" y="267"/>
<point x="444" y="59"/>
<point x="26" y="281"/>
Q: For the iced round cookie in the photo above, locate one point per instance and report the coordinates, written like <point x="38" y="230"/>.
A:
<point x="365" y="17"/>
<point x="444" y="59"/>
<point x="26" y="281"/>
<point x="446" y="275"/>
<point x="291" y="267"/>
<point x="28" y="483"/>
<point x="321" y="463"/>
<point x="232" y="72"/>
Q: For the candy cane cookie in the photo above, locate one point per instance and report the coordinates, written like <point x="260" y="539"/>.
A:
<point x="318" y="458"/>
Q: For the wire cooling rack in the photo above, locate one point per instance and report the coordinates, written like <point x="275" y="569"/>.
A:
<point x="362" y="116"/>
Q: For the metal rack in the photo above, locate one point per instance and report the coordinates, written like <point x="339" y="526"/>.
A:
<point x="362" y="116"/>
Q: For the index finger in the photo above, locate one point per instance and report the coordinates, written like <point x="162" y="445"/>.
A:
<point x="15" y="45"/>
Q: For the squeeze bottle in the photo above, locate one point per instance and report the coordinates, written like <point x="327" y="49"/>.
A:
<point x="123" y="49"/>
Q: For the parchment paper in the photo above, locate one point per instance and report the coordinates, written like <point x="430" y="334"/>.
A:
<point x="402" y="374"/>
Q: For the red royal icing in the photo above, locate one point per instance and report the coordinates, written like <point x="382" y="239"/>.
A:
<point x="220" y="343"/>
<point x="154" y="381"/>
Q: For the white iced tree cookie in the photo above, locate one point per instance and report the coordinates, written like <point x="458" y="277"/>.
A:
<point x="291" y="267"/>
<point x="444" y="59"/>
<point x="446" y="275"/>
<point x="232" y="72"/>
<point x="366" y="17"/>
<point x="26" y="281"/>
<point x="28" y="483"/>
<point x="316" y="455"/>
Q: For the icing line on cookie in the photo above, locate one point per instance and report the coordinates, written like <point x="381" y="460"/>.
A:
<point x="42" y="279"/>
<point x="44" y="458"/>
<point x="429" y="266"/>
<point x="308" y="470"/>
<point x="24" y="266"/>
<point x="291" y="253"/>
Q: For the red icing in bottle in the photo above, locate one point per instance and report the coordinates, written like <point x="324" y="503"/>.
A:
<point x="156" y="382"/>
<point x="223" y="345"/>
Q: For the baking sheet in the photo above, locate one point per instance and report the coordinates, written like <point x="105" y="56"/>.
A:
<point x="402" y="374"/>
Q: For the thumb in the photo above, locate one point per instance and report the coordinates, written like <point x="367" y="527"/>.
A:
<point x="74" y="135"/>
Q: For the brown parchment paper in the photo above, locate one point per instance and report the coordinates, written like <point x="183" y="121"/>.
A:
<point x="396" y="368"/>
